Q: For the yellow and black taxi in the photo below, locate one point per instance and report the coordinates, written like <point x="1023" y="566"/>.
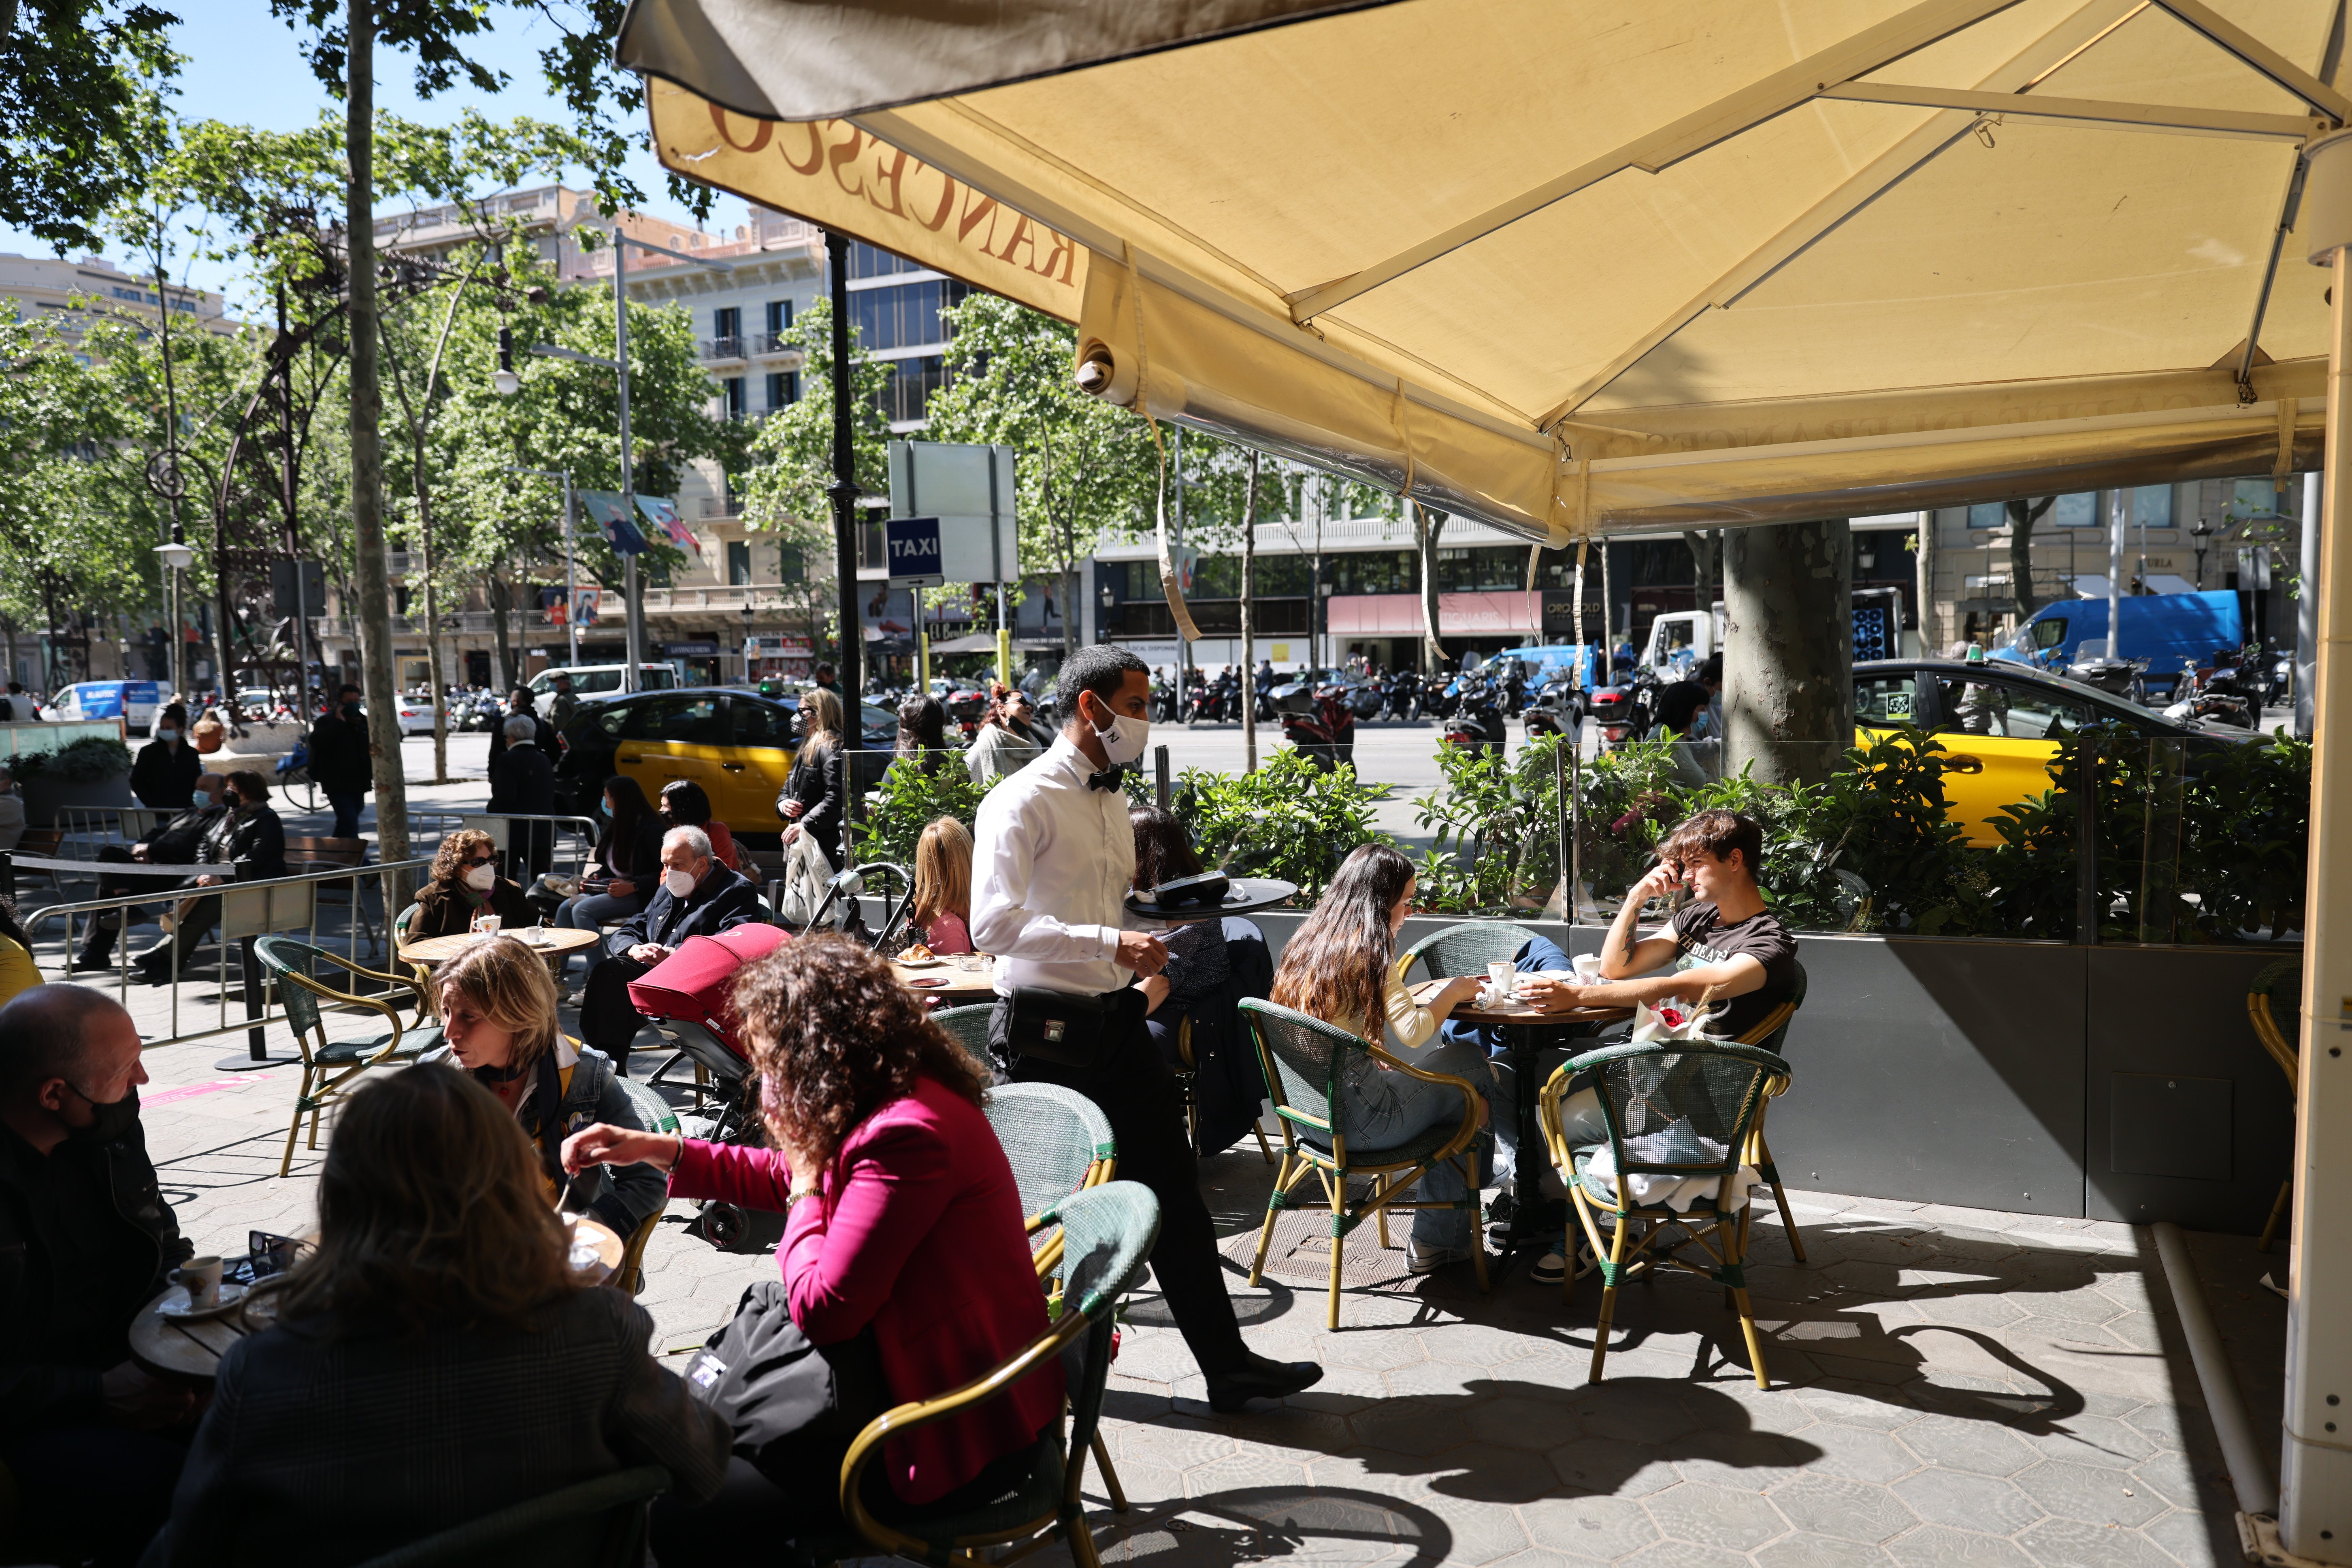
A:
<point x="2002" y="724"/>
<point x="737" y="744"/>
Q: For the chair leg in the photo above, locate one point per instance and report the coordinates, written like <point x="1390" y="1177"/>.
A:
<point x="1282" y="1182"/>
<point x="1381" y="1186"/>
<point x="1747" y="1328"/>
<point x="1771" y="1172"/>
<point x="286" y="1166"/>
<point x="1109" y="1475"/>
<point x="1264" y="1147"/>
<point x="1335" y="1187"/>
<point x="2278" y="1213"/>
<point x="1608" y="1298"/>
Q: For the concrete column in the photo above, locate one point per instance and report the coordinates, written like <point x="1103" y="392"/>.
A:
<point x="1787" y="665"/>
<point x="2315" y="1468"/>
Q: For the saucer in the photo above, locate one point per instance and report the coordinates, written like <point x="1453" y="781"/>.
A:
<point x="178" y="1310"/>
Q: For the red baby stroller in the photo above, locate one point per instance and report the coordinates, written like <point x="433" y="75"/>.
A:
<point x="685" y="997"/>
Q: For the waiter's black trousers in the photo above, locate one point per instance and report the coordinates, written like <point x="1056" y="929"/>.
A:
<point x="1138" y="1094"/>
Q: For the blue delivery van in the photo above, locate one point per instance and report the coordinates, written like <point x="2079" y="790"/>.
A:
<point x="2165" y="629"/>
<point x="132" y="702"/>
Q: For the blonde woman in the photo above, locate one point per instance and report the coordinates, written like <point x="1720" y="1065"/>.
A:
<point x="497" y="1014"/>
<point x="940" y="906"/>
<point x="465" y="882"/>
<point x="434" y="1360"/>
<point x="812" y="803"/>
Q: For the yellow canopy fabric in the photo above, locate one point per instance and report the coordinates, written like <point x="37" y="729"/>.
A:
<point x="1563" y="264"/>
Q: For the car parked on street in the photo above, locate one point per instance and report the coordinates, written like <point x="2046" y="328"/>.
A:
<point x="737" y="744"/>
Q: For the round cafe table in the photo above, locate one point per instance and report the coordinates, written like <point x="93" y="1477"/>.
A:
<point x="172" y="1347"/>
<point x="1526" y="1031"/>
<point x="555" y="943"/>
<point x="1244" y="896"/>
<point x="955" y="979"/>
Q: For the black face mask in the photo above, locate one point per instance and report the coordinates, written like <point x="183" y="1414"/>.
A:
<point x="229" y="799"/>
<point x="351" y="710"/>
<point x="109" y="1119"/>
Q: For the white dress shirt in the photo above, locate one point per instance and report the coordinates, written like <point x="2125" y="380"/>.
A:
<point x="1051" y="864"/>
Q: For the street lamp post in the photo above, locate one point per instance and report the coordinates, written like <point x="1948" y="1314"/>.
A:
<point x="508" y="381"/>
<point x="570" y="560"/>
<point x="751" y="651"/>
<point x="2200" y="536"/>
<point x="176" y="558"/>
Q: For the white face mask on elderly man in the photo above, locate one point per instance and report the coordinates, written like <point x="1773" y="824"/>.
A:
<point x="679" y="883"/>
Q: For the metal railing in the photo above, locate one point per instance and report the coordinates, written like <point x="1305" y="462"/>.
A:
<point x="723" y="348"/>
<point x="248" y="909"/>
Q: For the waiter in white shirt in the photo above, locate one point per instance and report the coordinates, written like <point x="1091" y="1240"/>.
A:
<point x="1051" y="867"/>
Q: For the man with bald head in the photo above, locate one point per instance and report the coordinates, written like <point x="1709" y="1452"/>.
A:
<point x="94" y="1443"/>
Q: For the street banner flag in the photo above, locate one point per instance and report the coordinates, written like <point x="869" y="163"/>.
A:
<point x="552" y="604"/>
<point x="584" y="606"/>
<point x="620" y="529"/>
<point x="662" y="513"/>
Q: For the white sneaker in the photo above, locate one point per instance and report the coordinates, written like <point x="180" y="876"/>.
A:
<point x="1551" y="1268"/>
<point x="1418" y="1261"/>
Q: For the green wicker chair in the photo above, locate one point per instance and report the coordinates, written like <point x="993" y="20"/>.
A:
<point x="656" y="1116"/>
<point x="1717" y="1090"/>
<point x="598" y="1523"/>
<point x="1306" y="1063"/>
<point x="1772" y="1034"/>
<point x="1109" y="1231"/>
<point x="1465" y="949"/>
<point x="2283" y="977"/>
<point x="329" y="1065"/>
<point x="970" y="1028"/>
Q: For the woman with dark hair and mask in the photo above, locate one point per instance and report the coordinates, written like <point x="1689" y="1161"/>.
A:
<point x="464" y="883"/>
<point x="1340" y="967"/>
<point x="434" y="1360"/>
<point x="906" y="1227"/>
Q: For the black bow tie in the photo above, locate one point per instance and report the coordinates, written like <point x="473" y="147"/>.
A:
<point x="1106" y="779"/>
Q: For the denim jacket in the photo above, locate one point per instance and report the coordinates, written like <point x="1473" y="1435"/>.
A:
<point x="621" y="1197"/>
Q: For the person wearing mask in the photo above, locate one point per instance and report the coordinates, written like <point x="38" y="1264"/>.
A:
<point x="12" y="812"/>
<point x="686" y="803"/>
<point x="1053" y="859"/>
<point x="697" y="897"/>
<point x="906" y="1227"/>
<point x="522" y="782"/>
<point x="939" y="907"/>
<point x="247" y="842"/>
<point x="923" y="733"/>
<point x="1006" y="742"/>
<point x="167" y="766"/>
<point x="434" y="1360"/>
<point x="92" y="1442"/>
<point x="812" y="801"/>
<point x="519" y="706"/>
<point x="342" y="761"/>
<point x="823" y="676"/>
<point x="1196" y="952"/>
<point x="622" y="875"/>
<point x="1340" y="967"/>
<point x="465" y="883"/>
<point x="498" y="1006"/>
<point x="175" y="842"/>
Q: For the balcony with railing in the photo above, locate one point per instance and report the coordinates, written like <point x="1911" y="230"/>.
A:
<point x="777" y="345"/>
<point x="720" y="507"/>
<point x="723" y="348"/>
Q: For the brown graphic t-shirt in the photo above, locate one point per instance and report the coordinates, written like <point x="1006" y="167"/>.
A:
<point x="1703" y="935"/>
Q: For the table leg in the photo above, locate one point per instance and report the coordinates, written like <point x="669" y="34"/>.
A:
<point x="1525" y="1054"/>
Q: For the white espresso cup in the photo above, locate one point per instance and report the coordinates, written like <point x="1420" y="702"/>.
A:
<point x="202" y="1276"/>
<point x="1502" y="978"/>
<point x="487" y="924"/>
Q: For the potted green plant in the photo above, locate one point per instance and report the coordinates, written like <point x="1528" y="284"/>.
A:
<point x="92" y="771"/>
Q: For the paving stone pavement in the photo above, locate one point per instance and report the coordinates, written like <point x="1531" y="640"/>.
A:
<point x="1952" y="1388"/>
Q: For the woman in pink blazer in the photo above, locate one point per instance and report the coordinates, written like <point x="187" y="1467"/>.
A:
<point x="904" y="1213"/>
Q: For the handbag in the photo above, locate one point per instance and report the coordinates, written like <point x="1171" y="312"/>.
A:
<point x="794" y="1407"/>
<point x="806" y="874"/>
<point x="1057" y="1026"/>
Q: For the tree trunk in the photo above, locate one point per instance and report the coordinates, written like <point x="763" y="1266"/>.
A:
<point x="373" y="622"/>
<point x="1788" y="667"/>
<point x="1702" y="545"/>
<point x="1428" y="524"/>
<point x="1249" y="622"/>
<point x="2022" y="516"/>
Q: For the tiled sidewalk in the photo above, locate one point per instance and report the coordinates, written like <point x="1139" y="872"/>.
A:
<point x="1951" y="1389"/>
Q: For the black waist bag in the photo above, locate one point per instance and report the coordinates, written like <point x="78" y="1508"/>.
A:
<point x="1055" y="1026"/>
<point x="794" y="1407"/>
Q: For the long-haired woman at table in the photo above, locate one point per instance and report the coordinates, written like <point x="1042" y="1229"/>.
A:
<point x="905" y="1224"/>
<point x="1340" y="967"/>
<point x="434" y="1360"/>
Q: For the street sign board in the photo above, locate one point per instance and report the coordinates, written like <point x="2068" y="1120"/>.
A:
<point x="291" y="594"/>
<point x="969" y="489"/>
<point x="913" y="546"/>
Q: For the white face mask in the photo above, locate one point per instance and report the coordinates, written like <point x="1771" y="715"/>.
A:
<point x="167" y="734"/>
<point x="481" y="878"/>
<point x="679" y="883"/>
<point x="1124" y="740"/>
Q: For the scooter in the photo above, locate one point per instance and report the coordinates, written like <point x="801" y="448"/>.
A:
<point x="1405" y="696"/>
<point x="2122" y="678"/>
<point x="1478" y="716"/>
<point x="1316" y="720"/>
<point x="2212" y="693"/>
<point x="1557" y="709"/>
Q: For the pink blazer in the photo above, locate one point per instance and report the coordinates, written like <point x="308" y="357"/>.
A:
<point x="915" y="1229"/>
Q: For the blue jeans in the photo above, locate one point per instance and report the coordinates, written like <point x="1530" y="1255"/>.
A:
<point x="347" y="812"/>
<point x="1383" y="1110"/>
<point x="591" y="910"/>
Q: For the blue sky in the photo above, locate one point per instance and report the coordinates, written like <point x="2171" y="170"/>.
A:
<point x="242" y="66"/>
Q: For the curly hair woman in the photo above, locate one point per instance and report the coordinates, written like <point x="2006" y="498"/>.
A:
<point x="434" y="1360"/>
<point x="464" y="883"/>
<point x="904" y="1222"/>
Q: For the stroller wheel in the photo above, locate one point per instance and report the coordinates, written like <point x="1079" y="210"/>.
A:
<point x="723" y="1225"/>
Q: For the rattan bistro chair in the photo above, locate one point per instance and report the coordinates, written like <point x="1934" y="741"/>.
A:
<point x="654" y="1115"/>
<point x="1109" y="1231"/>
<point x="329" y="1065"/>
<point x="968" y="1025"/>
<point x="1306" y="1063"/>
<point x="596" y="1523"/>
<point x="1465" y="949"/>
<point x="1058" y="1143"/>
<point x="1771" y="1034"/>
<point x="1715" y="1090"/>
<point x="2285" y="976"/>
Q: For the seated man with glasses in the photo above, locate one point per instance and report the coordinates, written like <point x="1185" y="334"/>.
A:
<point x="466" y="883"/>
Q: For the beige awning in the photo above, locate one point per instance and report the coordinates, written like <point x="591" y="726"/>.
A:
<point x="1562" y="264"/>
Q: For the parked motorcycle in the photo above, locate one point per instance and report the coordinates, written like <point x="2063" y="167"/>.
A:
<point x="2215" y="692"/>
<point x="1557" y="709"/>
<point x="1478" y="716"/>
<point x="1316" y="718"/>
<point x="2124" y="677"/>
<point x="1405" y="696"/>
<point x="1621" y="712"/>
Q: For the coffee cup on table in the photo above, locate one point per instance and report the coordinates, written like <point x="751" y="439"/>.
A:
<point x="201" y="1277"/>
<point x="487" y="924"/>
<point x="1501" y="978"/>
